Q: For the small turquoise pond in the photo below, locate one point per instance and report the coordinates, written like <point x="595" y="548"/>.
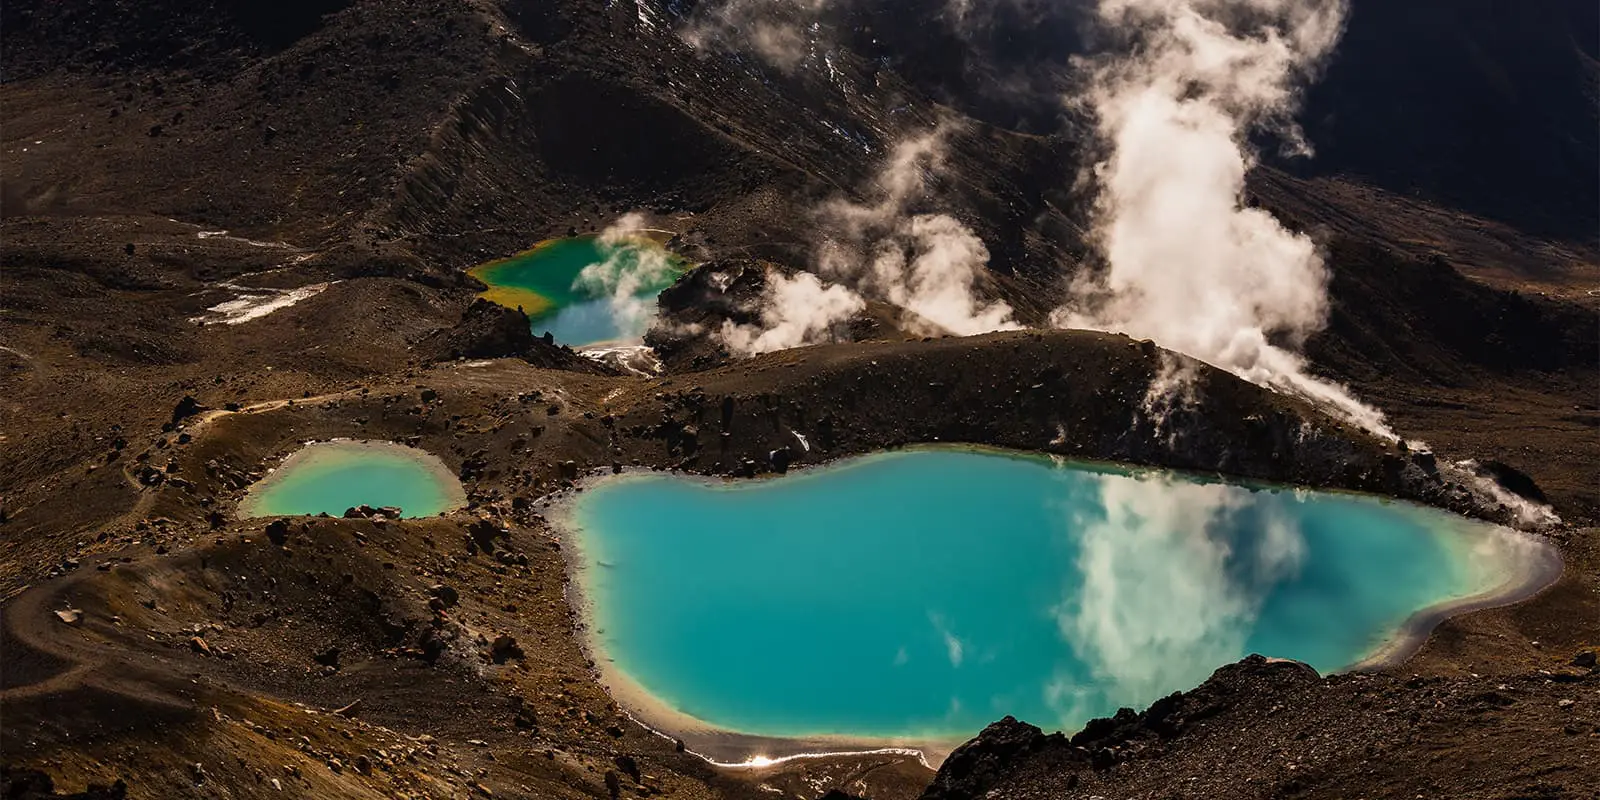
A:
<point x="584" y="290"/>
<point x="330" y="477"/>
<point x="920" y="595"/>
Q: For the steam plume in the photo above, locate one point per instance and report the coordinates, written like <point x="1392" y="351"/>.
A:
<point x="1187" y="263"/>
<point x="926" y="264"/>
<point x="796" y="310"/>
<point x="626" y="271"/>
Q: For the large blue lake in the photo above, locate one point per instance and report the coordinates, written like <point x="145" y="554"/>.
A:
<point x="923" y="594"/>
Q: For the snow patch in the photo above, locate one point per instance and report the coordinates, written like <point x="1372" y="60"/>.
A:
<point x="255" y="303"/>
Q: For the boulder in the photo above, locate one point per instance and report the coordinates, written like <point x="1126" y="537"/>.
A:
<point x="187" y="407"/>
<point x="328" y="657"/>
<point x="503" y="649"/>
<point x="444" y="594"/>
<point x="278" y="531"/>
<point x="628" y="765"/>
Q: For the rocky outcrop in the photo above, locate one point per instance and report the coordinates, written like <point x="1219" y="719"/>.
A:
<point x="1009" y="753"/>
<point x="487" y="330"/>
<point x="978" y="764"/>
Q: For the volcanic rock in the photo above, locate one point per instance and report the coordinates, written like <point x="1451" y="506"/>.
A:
<point x="187" y="407"/>
<point x="503" y="649"/>
<point x="489" y="330"/>
<point x="446" y="595"/>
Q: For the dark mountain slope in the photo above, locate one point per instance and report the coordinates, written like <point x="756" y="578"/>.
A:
<point x="1485" y="105"/>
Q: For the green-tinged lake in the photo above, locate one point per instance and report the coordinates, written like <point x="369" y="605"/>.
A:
<point x="585" y="290"/>
<point x="330" y="477"/>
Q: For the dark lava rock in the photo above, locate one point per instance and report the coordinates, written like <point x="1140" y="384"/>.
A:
<point x="485" y="530"/>
<point x="432" y="645"/>
<point x="1584" y="659"/>
<point x="368" y="512"/>
<point x="444" y="594"/>
<point x="187" y="407"/>
<point x="504" y="649"/>
<point x="628" y="765"/>
<point x="278" y="531"/>
<point x="150" y="476"/>
<point x="977" y="764"/>
<point x="983" y="766"/>
<point x="328" y="657"/>
<point x="1511" y="479"/>
<point x="780" y="459"/>
<point x="489" y="330"/>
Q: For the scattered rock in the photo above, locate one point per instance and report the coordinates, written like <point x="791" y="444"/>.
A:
<point x="71" y="616"/>
<point x="780" y="459"/>
<point x="628" y="765"/>
<point x="444" y="594"/>
<point x="187" y="407"/>
<point x="503" y="649"/>
<point x="278" y="531"/>
<point x="199" y="645"/>
<point x="328" y="657"/>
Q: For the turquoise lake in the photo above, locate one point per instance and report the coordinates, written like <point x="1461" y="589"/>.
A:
<point x="585" y="290"/>
<point x="920" y="595"/>
<point x="330" y="477"/>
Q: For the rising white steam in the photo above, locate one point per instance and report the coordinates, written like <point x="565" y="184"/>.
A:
<point x="1167" y="591"/>
<point x="775" y="30"/>
<point x="927" y="264"/>
<point x="1187" y="262"/>
<point x="630" y="267"/>
<point x="795" y="311"/>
